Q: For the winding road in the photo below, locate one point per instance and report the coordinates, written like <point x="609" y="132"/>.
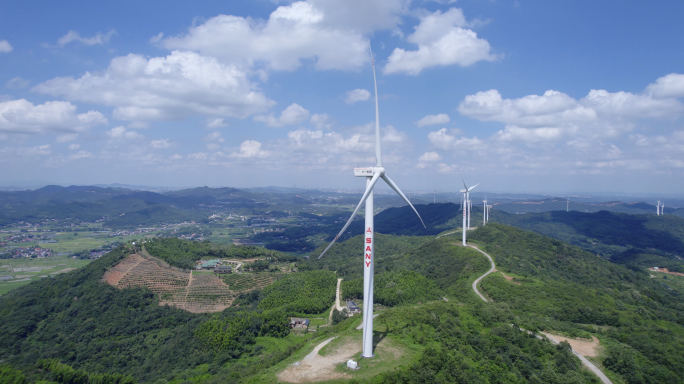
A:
<point x="583" y="359"/>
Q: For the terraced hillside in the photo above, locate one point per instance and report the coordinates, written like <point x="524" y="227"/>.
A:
<point x="180" y="289"/>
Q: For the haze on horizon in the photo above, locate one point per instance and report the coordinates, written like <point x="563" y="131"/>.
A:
<point x="519" y="95"/>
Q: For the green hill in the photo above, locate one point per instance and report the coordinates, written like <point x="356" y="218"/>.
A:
<point x="557" y="287"/>
<point x="641" y="240"/>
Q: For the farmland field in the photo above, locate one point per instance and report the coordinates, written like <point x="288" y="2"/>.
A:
<point x="26" y="270"/>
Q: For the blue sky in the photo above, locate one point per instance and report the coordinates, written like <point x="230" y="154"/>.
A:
<point x="534" y="96"/>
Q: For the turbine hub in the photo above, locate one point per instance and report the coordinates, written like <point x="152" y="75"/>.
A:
<point x="368" y="171"/>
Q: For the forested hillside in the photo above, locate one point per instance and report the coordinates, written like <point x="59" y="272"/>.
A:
<point x="562" y="287"/>
<point x="93" y="327"/>
<point x="641" y="240"/>
<point x="184" y="253"/>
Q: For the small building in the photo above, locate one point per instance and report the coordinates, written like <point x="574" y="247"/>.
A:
<point x="223" y="269"/>
<point x="211" y="264"/>
<point x="296" y="322"/>
<point x="353" y="308"/>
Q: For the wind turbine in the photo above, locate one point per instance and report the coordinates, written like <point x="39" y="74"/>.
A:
<point x="662" y="208"/>
<point x="484" y="212"/>
<point x="658" y="209"/>
<point x="372" y="175"/>
<point x="466" y="198"/>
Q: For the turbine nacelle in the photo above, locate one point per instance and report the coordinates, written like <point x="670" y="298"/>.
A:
<point x="369" y="171"/>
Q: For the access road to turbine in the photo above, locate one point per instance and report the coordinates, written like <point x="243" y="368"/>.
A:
<point x="583" y="359"/>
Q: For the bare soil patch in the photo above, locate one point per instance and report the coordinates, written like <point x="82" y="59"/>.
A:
<point x="509" y="278"/>
<point x="583" y="347"/>
<point x="315" y="368"/>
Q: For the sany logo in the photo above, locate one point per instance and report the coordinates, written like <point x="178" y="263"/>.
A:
<point x="369" y="230"/>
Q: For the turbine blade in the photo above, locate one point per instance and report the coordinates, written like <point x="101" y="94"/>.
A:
<point x="397" y="190"/>
<point x="374" y="180"/>
<point x="378" y="151"/>
<point x="473" y="187"/>
<point x="464" y="184"/>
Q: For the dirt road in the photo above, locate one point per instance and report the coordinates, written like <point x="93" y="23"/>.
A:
<point x="583" y="359"/>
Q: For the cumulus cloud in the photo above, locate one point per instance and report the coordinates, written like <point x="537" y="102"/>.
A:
<point x="442" y="40"/>
<point x="301" y="30"/>
<point x="5" y="47"/>
<point x="17" y="83"/>
<point x="216" y="122"/>
<point x="670" y="86"/>
<point x="161" y="144"/>
<point x="356" y="95"/>
<point x="429" y="157"/>
<point x="21" y="116"/>
<point x="321" y="121"/>
<point x="294" y="114"/>
<point x="164" y="88"/>
<point x="554" y="114"/>
<point x="73" y="147"/>
<point x="442" y="118"/>
<point x="250" y="149"/>
<point x="80" y="155"/>
<point x="214" y="140"/>
<point x="121" y="133"/>
<point x="72" y="36"/>
<point x="443" y="139"/>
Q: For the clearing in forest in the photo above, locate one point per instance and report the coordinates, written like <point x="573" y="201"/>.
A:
<point x="179" y="288"/>
<point x="329" y="363"/>
<point x="583" y="347"/>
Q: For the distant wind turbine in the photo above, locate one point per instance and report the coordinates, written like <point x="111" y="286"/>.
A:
<point x="466" y="198"/>
<point x="658" y="209"/>
<point x="484" y="212"/>
<point x="372" y="175"/>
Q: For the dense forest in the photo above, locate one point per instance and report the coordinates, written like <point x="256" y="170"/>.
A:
<point x="639" y="240"/>
<point x="562" y="287"/>
<point x="184" y="253"/>
<point x="101" y="331"/>
<point x="394" y="288"/>
<point x="96" y="331"/>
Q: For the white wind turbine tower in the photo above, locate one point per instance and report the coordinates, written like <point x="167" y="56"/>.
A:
<point x="658" y="209"/>
<point x="372" y="175"/>
<point x="466" y="199"/>
<point x="484" y="211"/>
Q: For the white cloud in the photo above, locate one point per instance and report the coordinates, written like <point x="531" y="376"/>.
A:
<point x="80" y="155"/>
<point x="41" y="150"/>
<point x="320" y="121"/>
<point x="430" y="157"/>
<point x="17" y="83"/>
<point x="216" y="122"/>
<point x="528" y="135"/>
<point x="98" y="39"/>
<point x="669" y="86"/>
<point x="161" y="144"/>
<point x="176" y="156"/>
<point x="356" y="95"/>
<point x="250" y="149"/>
<point x="21" y="116"/>
<point x="294" y="114"/>
<point x="67" y="137"/>
<point x="554" y="114"/>
<point x="5" y="47"/>
<point x="121" y="133"/>
<point x="329" y="33"/>
<point x="164" y="88"/>
<point x="442" y="118"/>
<point x="214" y="139"/>
<point x="73" y="147"/>
<point x="441" y="41"/>
<point x="442" y="139"/>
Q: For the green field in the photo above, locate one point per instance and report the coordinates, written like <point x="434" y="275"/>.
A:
<point x="37" y="269"/>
